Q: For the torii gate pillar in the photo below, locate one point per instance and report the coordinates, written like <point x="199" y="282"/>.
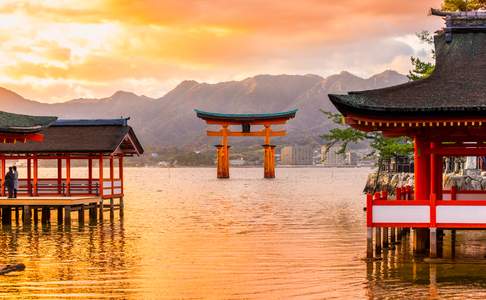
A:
<point x="269" y="161"/>
<point x="223" y="161"/>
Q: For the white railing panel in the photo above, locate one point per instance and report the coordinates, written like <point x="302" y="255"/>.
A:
<point x="466" y="214"/>
<point x="401" y="214"/>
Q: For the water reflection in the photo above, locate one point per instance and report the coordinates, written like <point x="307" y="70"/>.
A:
<point x="400" y="273"/>
<point x="67" y="260"/>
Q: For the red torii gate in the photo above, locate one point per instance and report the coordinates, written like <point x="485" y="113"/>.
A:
<point x="246" y="121"/>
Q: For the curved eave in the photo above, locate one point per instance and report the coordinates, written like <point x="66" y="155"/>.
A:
<point x="245" y="117"/>
<point x="345" y="105"/>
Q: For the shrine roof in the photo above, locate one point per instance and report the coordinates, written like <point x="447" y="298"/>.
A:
<point x="243" y="118"/>
<point x="23" y="124"/>
<point x="456" y="88"/>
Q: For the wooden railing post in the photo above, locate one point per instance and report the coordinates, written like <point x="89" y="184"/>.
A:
<point x="68" y="176"/>
<point x="398" y="193"/>
<point x="90" y="175"/>
<point x="369" y="224"/>
<point x="453" y="192"/>
<point x="3" y="176"/>
<point x="36" y="170"/>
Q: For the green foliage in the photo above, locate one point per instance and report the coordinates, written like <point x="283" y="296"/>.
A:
<point x="463" y="5"/>
<point x="422" y="69"/>
<point x="382" y="147"/>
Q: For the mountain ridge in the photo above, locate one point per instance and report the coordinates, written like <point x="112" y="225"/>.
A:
<point x="170" y="120"/>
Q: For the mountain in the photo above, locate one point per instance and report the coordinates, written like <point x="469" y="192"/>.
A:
<point x="170" y="120"/>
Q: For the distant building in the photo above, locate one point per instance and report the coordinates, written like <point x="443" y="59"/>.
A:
<point x="296" y="155"/>
<point x="330" y="157"/>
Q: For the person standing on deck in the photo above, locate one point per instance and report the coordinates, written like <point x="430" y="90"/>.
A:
<point x="9" y="183"/>
<point x="15" y="181"/>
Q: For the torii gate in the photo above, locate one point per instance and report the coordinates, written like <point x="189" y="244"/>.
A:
<point x="246" y="121"/>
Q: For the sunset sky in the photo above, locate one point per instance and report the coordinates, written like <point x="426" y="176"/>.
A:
<point x="55" y="50"/>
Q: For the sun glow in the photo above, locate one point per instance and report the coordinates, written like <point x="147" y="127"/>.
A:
<point x="62" y="49"/>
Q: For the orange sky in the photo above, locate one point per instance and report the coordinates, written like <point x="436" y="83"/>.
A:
<point x="55" y="50"/>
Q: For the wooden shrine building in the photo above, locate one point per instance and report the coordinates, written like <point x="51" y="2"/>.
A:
<point x="246" y="121"/>
<point x="445" y="114"/>
<point x="96" y="148"/>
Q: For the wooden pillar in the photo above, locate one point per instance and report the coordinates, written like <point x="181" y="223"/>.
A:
<point x="93" y="213"/>
<point x="121" y="207"/>
<point x="225" y="153"/>
<point x="67" y="215"/>
<point x="112" y="176"/>
<point x="36" y="173"/>
<point x="59" y="177"/>
<point x="420" y="240"/>
<point x="35" y="211"/>
<point x="369" y="242"/>
<point x="68" y="176"/>
<point x="453" y="243"/>
<point x="29" y="176"/>
<point x="385" y="237"/>
<point x="112" y="209"/>
<point x="421" y="169"/>
<point x="59" y="215"/>
<point x="3" y="176"/>
<point x="433" y="243"/>
<point x="90" y="175"/>
<point x="27" y="215"/>
<point x="17" y="215"/>
<point x="436" y="170"/>
<point x="81" y="215"/>
<point x="269" y="161"/>
<point x="393" y="239"/>
<point x="120" y="173"/>
<point x="6" y="215"/>
<point x="101" y="186"/>
<point x="46" y="214"/>
<point x="220" y="161"/>
<point x="378" y="241"/>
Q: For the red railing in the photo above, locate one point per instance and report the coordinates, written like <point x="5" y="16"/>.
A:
<point x="456" y="209"/>
<point x="75" y="187"/>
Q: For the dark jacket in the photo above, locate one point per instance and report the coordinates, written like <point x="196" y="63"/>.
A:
<point x="9" y="179"/>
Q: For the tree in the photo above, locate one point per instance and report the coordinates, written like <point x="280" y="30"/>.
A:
<point x="463" y="5"/>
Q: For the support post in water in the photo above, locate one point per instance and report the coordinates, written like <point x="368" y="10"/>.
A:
<point x="369" y="242"/>
<point x="27" y="215"/>
<point x="433" y="243"/>
<point x="67" y="215"/>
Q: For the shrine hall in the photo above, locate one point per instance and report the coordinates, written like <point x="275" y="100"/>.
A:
<point x="445" y="115"/>
<point x="46" y="152"/>
<point x="246" y="121"/>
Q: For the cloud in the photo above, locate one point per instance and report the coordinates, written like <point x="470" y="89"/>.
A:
<point x="66" y="49"/>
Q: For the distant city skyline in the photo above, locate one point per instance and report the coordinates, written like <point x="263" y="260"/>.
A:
<point x="57" y="50"/>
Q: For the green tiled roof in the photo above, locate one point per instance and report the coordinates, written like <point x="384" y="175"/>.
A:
<point x="245" y="117"/>
<point x="16" y="123"/>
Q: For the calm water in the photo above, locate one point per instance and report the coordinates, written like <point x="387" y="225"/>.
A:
<point x="186" y="235"/>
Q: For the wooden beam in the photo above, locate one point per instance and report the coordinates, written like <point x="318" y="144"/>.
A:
<point x="261" y="122"/>
<point x="255" y="133"/>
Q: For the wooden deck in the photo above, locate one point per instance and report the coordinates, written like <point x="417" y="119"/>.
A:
<point x="49" y="201"/>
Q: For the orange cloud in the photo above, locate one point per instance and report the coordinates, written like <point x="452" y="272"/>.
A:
<point x="83" y="45"/>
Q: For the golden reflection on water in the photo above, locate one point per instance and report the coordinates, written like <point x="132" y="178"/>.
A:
<point x="188" y="235"/>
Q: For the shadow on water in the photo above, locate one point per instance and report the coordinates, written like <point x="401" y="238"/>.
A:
<point x="460" y="273"/>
